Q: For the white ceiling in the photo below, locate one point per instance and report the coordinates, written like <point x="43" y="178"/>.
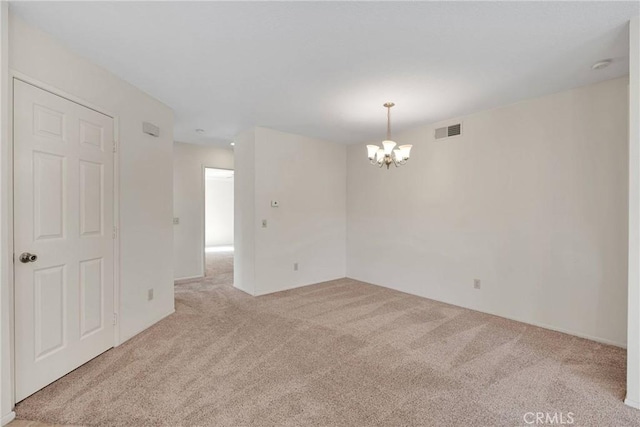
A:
<point x="324" y="69"/>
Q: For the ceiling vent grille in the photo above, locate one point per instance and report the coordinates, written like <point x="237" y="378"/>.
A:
<point x="449" y="131"/>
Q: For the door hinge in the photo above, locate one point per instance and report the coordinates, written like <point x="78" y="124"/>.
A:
<point x="115" y="232"/>
<point x="115" y="147"/>
<point x="115" y="318"/>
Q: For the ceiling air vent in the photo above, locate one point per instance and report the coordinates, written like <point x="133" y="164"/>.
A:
<point x="448" y="131"/>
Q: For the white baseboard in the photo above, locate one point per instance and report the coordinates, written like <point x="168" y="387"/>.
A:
<point x="561" y="330"/>
<point x="6" y="419"/>
<point x="184" y="279"/>
<point x="243" y="290"/>
<point x="632" y="403"/>
<point x="147" y="326"/>
<point x="301" y="285"/>
<point x="514" y="318"/>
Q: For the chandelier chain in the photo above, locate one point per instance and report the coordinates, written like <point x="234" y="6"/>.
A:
<point x="388" y="123"/>
<point x="389" y="105"/>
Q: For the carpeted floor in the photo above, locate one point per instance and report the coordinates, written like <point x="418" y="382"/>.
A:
<point x="219" y="268"/>
<point x="340" y="353"/>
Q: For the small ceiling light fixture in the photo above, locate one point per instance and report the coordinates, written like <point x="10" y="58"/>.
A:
<point x="232" y="143"/>
<point x="387" y="155"/>
<point x="199" y="130"/>
<point x="601" y="64"/>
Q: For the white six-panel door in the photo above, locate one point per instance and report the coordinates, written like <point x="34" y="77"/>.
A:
<point x="63" y="214"/>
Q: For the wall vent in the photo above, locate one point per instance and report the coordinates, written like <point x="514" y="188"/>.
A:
<point x="150" y="129"/>
<point x="448" y="131"/>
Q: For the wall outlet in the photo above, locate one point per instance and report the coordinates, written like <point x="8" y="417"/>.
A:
<point x="295" y="266"/>
<point x="150" y="294"/>
<point x="264" y="223"/>
<point x="476" y="283"/>
<point x="176" y="221"/>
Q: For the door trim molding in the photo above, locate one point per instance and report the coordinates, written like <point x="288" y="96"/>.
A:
<point x="8" y="418"/>
<point x="17" y="75"/>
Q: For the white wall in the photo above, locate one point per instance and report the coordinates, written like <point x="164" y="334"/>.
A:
<point x="189" y="161"/>
<point x="6" y="389"/>
<point x="633" y="326"/>
<point x="531" y="200"/>
<point x="244" y="207"/>
<point x="145" y="169"/>
<point x="307" y="177"/>
<point x="219" y="212"/>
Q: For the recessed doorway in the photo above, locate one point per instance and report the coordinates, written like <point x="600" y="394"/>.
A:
<point x="218" y="225"/>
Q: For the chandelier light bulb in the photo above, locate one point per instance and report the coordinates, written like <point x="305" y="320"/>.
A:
<point x="388" y="146"/>
<point x="371" y="151"/>
<point x="406" y="151"/>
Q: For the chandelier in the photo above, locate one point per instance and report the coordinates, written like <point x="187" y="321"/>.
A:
<point x="387" y="155"/>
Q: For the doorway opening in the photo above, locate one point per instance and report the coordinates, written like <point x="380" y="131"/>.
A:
<point x="218" y="225"/>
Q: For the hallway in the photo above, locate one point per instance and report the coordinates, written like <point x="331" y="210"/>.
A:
<point x="219" y="268"/>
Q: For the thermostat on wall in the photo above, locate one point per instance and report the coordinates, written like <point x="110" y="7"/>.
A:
<point x="275" y="203"/>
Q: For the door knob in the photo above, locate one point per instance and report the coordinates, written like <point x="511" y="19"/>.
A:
<point x="26" y="257"/>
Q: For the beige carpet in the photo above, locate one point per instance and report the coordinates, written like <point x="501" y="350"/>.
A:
<point x="219" y="268"/>
<point x="342" y="353"/>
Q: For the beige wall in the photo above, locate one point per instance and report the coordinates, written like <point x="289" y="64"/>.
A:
<point x="307" y="177"/>
<point x="531" y="200"/>
<point x="189" y="161"/>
